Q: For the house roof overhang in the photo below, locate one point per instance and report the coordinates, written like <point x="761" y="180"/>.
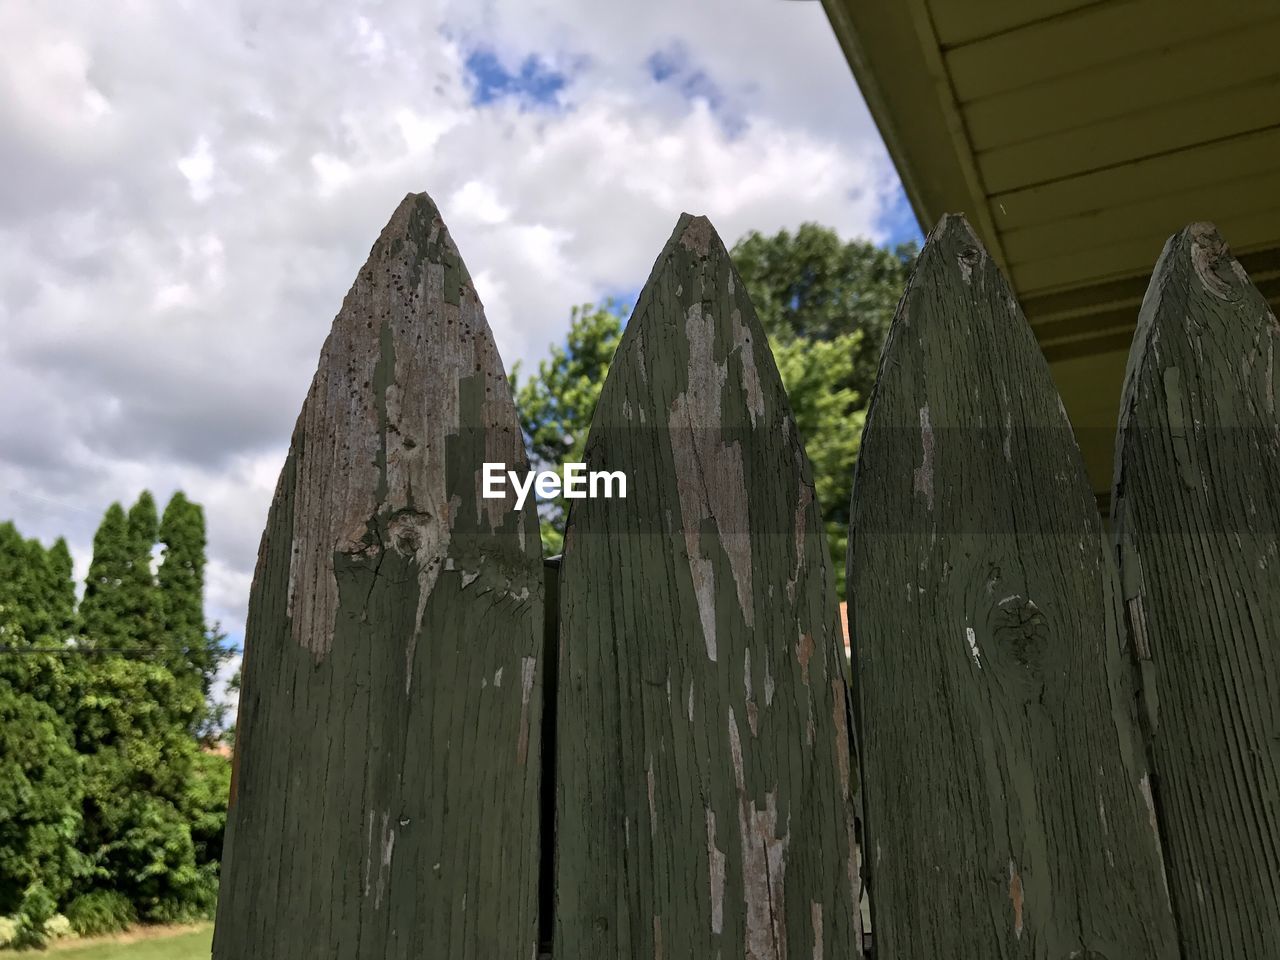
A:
<point x="1077" y="136"/>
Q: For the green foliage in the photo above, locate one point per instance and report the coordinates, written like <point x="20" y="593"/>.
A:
<point x="40" y="795"/>
<point x="99" y="912"/>
<point x="233" y="686"/>
<point x="105" y="795"/>
<point x="193" y="651"/>
<point x="37" y="595"/>
<point x="8" y="930"/>
<point x="829" y="415"/>
<point x="138" y="766"/>
<point x="37" y="909"/>
<point x="152" y="859"/>
<point x="143" y="607"/>
<point x="204" y="805"/>
<point x="104" y="612"/>
<point x="40" y="786"/>
<point x="812" y="285"/>
<point x="556" y="404"/>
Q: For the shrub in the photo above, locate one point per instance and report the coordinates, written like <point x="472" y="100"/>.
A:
<point x="37" y="910"/>
<point x="8" y="930"/>
<point x="99" y="912"/>
<point x="59" y="927"/>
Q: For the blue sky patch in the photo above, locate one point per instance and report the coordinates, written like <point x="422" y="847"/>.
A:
<point x="899" y="221"/>
<point x="535" y="81"/>
<point x="673" y="67"/>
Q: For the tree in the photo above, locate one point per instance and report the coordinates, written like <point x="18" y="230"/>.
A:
<point x="814" y="286"/>
<point x="104" y="791"/>
<point x="194" y="652"/>
<point x="143" y="604"/>
<point x="134" y="722"/>
<point x="556" y="404"/>
<point x="36" y="586"/>
<point x="103" y="612"/>
<point x="59" y="593"/>
<point x="829" y="416"/>
<point x="40" y="784"/>
<point x="121" y="605"/>
<point x="40" y="796"/>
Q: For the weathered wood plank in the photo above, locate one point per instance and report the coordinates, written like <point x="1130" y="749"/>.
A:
<point x="703" y="767"/>
<point x="1196" y="511"/>
<point x="389" y="730"/>
<point x="1002" y="771"/>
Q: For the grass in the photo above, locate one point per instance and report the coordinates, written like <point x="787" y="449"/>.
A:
<point x="145" y="943"/>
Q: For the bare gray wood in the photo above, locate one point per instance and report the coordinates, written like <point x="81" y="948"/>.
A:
<point x="703" y="765"/>
<point x="1006" y="800"/>
<point x="389" y="727"/>
<point x="1196" y="513"/>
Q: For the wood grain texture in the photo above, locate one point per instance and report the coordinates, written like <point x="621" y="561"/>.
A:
<point x="1002" y="771"/>
<point x="389" y="727"/>
<point x="1196" y="511"/>
<point x="703" y="767"/>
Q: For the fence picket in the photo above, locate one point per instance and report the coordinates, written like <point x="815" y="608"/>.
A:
<point x="1003" y="776"/>
<point x="704" y="801"/>
<point x="388" y="738"/>
<point x="1196" y="510"/>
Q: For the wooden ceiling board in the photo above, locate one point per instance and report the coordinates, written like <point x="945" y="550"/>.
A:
<point x="1163" y="176"/>
<point x="1091" y="326"/>
<point x="1170" y="75"/>
<point x="1079" y="302"/>
<point x="1147" y="133"/>
<point x="1219" y="201"/>
<point x="1105" y="261"/>
<point x="1086" y="38"/>
<point x="964" y="21"/>
<point x="895" y="58"/>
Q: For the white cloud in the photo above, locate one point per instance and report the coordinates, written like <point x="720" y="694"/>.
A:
<point x="190" y="190"/>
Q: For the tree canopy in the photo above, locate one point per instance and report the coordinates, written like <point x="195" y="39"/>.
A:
<point x="556" y="403"/>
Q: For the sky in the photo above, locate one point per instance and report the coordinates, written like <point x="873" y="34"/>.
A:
<point x="190" y="188"/>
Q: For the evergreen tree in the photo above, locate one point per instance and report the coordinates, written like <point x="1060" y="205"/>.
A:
<point x="143" y="603"/>
<point x="195" y="651"/>
<point x="104" y="621"/>
<point x="40" y="783"/>
<point x="36" y="586"/>
<point x="134" y="724"/>
<point x="104" y="791"/>
<point x="121" y="607"/>
<point x="60" y="593"/>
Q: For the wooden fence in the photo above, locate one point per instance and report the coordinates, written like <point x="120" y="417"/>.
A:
<point x="1061" y="742"/>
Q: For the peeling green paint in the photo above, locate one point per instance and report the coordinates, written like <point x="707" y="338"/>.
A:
<point x="1196" y="512"/>
<point x="387" y="805"/>
<point x="1001" y="765"/>
<point x="704" y="801"/>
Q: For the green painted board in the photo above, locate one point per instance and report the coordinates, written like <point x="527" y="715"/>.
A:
<point x="1005" y="792"/>
<point x="389" y="728"/>
<point x="704" y="802"/>
<point x="1196" y="512"/>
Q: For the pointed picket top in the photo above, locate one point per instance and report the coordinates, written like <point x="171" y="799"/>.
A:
<point x="1006" y="802"/>
<point x="1196" y="516"/>
<point x="704" y="805"/>
<point x="390" y="709"/>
